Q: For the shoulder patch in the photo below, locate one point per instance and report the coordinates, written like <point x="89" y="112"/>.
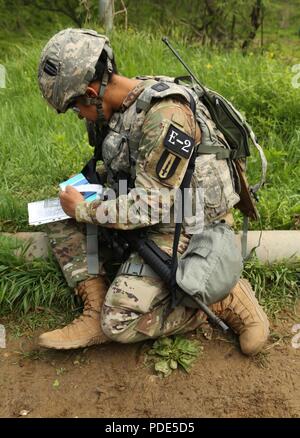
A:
<point x="167" y="164"/>
<point x="160" y="86"/>
<point x="179" y="142"/>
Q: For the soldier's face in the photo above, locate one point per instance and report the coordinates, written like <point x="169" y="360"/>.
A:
<point x="88" y="112"/>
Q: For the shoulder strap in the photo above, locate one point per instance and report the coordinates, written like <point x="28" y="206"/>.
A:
<point x="159" y="89"/>
<point x="184" y="184"/>
<point x="263" y="160"/>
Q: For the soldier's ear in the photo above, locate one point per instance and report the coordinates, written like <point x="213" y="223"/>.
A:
<point x="91" y="92"/>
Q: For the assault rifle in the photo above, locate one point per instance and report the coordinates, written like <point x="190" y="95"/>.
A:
<point x="124" y="242"/>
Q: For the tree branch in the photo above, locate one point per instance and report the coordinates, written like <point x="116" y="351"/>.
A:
<point x="60" y="10"/>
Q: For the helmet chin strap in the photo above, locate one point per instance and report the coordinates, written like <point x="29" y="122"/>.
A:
<point x="98" y="100"/>
<point x="101" y="121"/>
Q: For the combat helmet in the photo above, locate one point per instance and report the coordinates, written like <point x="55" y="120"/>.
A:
<point x="67" y="66"/>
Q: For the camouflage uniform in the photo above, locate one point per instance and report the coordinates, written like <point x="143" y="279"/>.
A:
<point x="135" y="306"/>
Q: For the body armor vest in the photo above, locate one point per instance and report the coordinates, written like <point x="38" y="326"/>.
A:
<point x="217" y="177"/>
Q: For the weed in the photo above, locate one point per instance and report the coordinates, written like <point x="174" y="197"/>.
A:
<point x="60" y="371"/>
<point x="56" y="384"/>
<point x="31" y="354"/>
<point x="261" y="359"/>
<point x="276" y="285"/>
<point x="277" y="339"/>
<point x="29" y="285"/>
<point x="170" y="353"/>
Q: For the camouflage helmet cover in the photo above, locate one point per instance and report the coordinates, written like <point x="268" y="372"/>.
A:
<point x="67" y="65"/>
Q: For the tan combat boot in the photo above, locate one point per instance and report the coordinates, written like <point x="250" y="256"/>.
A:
<point x="242" y="312"/>
<point x="85" y="330"/>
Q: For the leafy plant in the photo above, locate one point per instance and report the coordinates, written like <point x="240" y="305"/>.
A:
<point x="29" y="285"/>
<point x="169" y="353"/>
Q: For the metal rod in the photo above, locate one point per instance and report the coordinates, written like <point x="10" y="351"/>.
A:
<point x="166" y="41"/>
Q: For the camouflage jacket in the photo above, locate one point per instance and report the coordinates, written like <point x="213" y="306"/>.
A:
<point x="148" y="145"/>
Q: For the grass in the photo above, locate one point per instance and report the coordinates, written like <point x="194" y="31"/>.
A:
<point x="39" y="149"/>
<point x="27" y="286"/>
<point x="36" y="289"/>
<point x="276" y="285"/>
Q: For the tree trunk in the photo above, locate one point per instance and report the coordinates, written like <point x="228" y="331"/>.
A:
<point x="106" y="14"/>
<point x="256" y="16"/>
<point x="232" y="30"/>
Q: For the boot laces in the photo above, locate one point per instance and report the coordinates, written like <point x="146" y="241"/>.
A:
<point x="233" y="319"/>
<point x="88" y="312"/>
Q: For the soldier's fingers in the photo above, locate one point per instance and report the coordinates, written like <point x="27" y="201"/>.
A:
<point x="70" y="190"/>
<point x="184" y="240"/>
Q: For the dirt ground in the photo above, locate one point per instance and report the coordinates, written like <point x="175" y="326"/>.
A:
<point x="113" y="381"/>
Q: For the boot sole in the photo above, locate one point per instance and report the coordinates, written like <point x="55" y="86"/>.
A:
<point x="72" y="345"/>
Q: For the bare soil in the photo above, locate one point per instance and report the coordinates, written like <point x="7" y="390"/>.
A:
<point x="113" y="381"/>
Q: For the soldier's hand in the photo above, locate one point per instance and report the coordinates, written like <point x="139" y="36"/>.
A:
<point x="69" y="200"/>
<point x="183" y="243"/>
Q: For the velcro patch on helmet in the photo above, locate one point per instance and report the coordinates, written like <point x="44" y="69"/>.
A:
<point x="50" y="68"/>
<point x="160" y="86"/>
<point x="179" y="142"/>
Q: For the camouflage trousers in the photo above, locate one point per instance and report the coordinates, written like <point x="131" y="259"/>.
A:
<point x="136" y="307"/>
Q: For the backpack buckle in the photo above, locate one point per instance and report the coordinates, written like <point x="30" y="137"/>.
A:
<point x="233" y="154"/>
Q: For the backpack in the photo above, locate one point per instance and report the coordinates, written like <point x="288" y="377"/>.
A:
<point x="238" y="135"/>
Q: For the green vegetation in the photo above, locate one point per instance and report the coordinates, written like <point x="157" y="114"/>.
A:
<point x="29" y="285"/>
<point x="276" y="285"/>
<point x="168" y="354"/>
<point x="262" y="24"/>
<point x="39" y="148"/>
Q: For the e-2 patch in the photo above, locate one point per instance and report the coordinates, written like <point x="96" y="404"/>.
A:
<point x="179" y="142"/>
